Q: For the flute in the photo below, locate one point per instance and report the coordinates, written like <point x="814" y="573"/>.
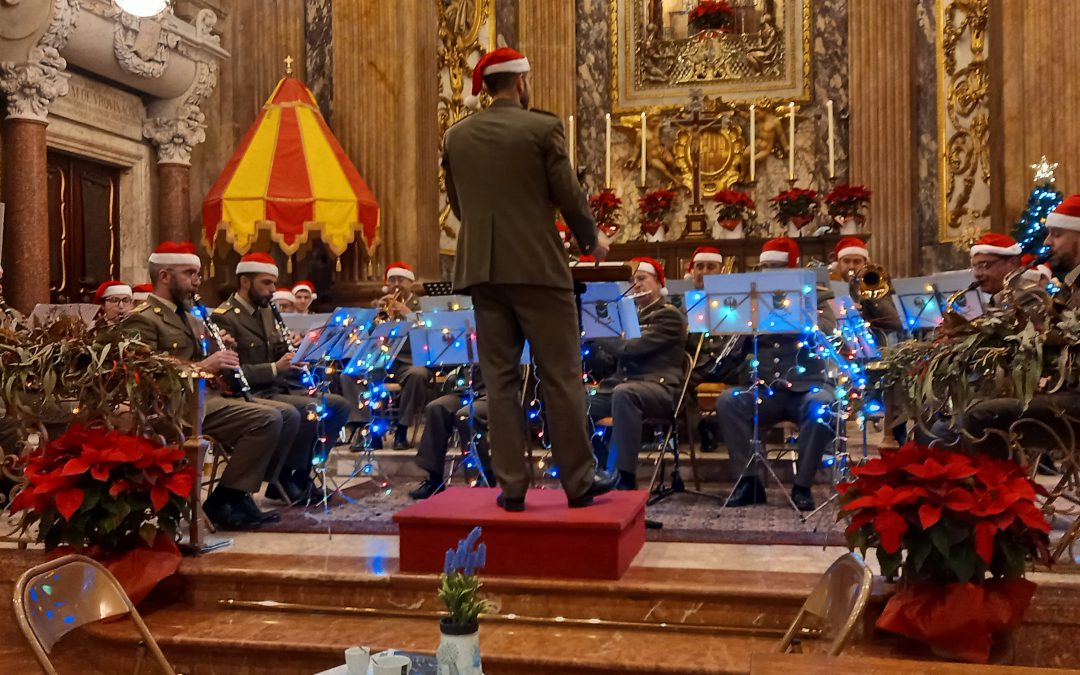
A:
<point x="215" y="334"/>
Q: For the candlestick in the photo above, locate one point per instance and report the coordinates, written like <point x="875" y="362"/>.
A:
<point x="572" y="138"/>
<point x="644" y="133"/>
<point x="832" y="140"/>
<point x="607" y="150"/>
<point x="791" y="141"/>
<point x="753" y="142"/>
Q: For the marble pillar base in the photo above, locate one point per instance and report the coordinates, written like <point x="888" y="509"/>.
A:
<point x="174" y="203"/>
<point x="26" y="221"/>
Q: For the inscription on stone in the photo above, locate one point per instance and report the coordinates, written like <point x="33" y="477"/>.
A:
<point x="103" y="107"/>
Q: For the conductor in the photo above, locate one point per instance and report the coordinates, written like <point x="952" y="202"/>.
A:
<point x="506" y="172"/>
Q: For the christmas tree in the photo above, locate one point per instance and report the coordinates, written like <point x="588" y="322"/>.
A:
<point x="1030" y="230"/>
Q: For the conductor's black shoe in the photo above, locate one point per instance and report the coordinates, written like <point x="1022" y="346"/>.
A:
<point x="804" y="501"/>
<point x="599" y="486"/>
<point x="401" y="438"/>
<point x="748" y="491"/>
<point x="428" y="488"/>
<point x="512" y="504"/>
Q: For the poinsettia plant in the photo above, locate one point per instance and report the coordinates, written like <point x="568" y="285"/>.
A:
<point x="796" y="205"/>
<point x="104" y="490"/>
<point x="712" y="15"/>
<point x="606" y="206"/>
<point x="846" y="200"/>
<point x="734" y="205"/>
<point x="654" y="207"/>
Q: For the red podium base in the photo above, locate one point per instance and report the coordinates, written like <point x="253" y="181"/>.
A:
<point x="547" y="540"/>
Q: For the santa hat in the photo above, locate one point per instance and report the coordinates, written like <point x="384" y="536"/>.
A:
<point x="305" y="286"/>
<point x="587" y="259"/>
<point x="1067" y="214"/>
<point x="175" y="253"/>
<point x="851" y="246"/>
<point x="141" y="292"/>
<point x="1037" y="273"/>
<point x="397" y="269"/>
<point x="501" y="60"/>
<point x="780" y="250"/>
<point x="650" y="265"/>
<point x="111" y="288"/>
<point x="257" y="263"/>
<point x="284" y="294"/>
<point x="705" y="254"/>
<point x="996" y="244"/>
<point x="564" y="233"/>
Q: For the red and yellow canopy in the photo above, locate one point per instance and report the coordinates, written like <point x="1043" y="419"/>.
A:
<point x="290" y="176"/>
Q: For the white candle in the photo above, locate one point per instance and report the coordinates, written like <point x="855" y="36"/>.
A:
<point x="791" y="141"/>
<point x="572" y="138"/>
<point x="607" y="150"/>
<point x="832" y="140"/>
<point x="753" y="141"/>
<point x="644" y="132"/>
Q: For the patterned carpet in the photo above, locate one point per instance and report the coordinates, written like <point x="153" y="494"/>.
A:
<point x="685" y="518"/>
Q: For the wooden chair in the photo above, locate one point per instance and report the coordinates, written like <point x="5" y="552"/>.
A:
<point x="55" y="598"/>
<point x="834" y="606"/>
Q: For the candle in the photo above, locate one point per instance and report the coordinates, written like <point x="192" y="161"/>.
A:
<point x="607" y="150"/>
<point x="791" y="141"/>
<point x="644" y="132"/>
<point x="572" y="134"/>
<point x="753" y="141"/>
<point x="832" y="140"/>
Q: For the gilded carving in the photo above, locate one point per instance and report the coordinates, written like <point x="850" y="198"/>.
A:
<point x="31" y="86"/>
<point x="963" y="118"/>
<point x="466" y="31"/>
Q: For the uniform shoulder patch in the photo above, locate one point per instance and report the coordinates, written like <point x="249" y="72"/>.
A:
<point x="141" y="307"/>
<point x="220" y="310"/>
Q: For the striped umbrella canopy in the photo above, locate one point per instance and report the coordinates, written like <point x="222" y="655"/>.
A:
<point x="290" y="176"/>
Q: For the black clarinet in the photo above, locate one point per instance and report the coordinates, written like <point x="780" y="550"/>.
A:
<point x="215" y="334"/>
<point x="283" y="328"/>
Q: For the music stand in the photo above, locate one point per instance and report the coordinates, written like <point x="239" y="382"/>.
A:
<point x="436" y="288"/>
<point x="445" y="303"/>
<point x="606" y="312"/>
<point x="969" y="305"/>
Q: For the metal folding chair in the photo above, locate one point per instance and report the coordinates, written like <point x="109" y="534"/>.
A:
<point x="834" y="606"/>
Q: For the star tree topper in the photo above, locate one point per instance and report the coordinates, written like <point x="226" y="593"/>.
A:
<point x="1044" y="171"/>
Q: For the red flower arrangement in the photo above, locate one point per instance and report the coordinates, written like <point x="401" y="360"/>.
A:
<point x="605" y="207"/>
<point x="712" y="15"/>
<point x="653" y="207"/>
<point x="735" y="207"/>
<point x="945" y="521"/>
<point x="797" y="206"/>
<point x="845" y="200"/>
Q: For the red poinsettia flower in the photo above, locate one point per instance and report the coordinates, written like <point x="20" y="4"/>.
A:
<point x="846" y="200"/>
<point x="796" y="202"/>
<point x="734" y="205"/>
<point x="712" y="15"/>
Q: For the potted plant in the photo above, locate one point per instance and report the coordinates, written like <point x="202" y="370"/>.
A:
<point x="797" y="207"/>
<point x="958" y="530"/>
<point x="115" y="497"/>
<point x="846" y="204"/>
<point x="711" y="17"/>
<point x="654" y="207"/>
<point x="736" y="208"/>
<point x="459" y="646"/>
<point x="605" y="207"/>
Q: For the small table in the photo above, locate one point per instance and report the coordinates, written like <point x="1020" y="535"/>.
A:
<point x="422" y="664"/>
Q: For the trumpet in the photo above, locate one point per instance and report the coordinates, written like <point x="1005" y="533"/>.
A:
<point x="871" y="283"/>
<point x="385" y="303"/>
<point x="215" y="334"/>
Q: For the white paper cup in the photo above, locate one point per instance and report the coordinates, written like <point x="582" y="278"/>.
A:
<point x="392" y="665"/>
<point x="356" y="660"/>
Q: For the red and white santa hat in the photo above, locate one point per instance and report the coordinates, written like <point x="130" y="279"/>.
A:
<point x="111" y="288"/>
<point x="782" y="250"/>
<point x="1039" y="272"/>
<point x="305" y="285"/>
<point x="175" y="253"/>
<point x="141" y="292"/>
<point x="284" y="294"/>
<point x="501" y="60"/>
<point x="1067" y="214"/>
<point x="653" y="267"/>
<point x="851" y="246"/>
<point x="257" y="263"/>
<point x="705" y="254"/>
<point x="995" y="243"/>
<point x="397" y="269"/>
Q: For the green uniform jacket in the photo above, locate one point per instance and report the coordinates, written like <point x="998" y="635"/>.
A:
<point x="161" y="328"/>
<point x="258" y="342"/>
<point x="658" y="355"/>
<point x="506" y="173"/>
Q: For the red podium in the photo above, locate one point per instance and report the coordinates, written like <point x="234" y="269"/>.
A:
<point x="547" y="540"/>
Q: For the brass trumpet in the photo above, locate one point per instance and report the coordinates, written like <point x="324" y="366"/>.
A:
<point x="385" y="303"/>
<point x="872" y="283"/>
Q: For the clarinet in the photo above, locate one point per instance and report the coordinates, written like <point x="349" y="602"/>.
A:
<point x="9" y="312"/>
<point x="283" y="328"/>
<point x="215" y="334"/>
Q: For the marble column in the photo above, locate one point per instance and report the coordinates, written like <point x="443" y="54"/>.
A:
<point x="174" y="202"/>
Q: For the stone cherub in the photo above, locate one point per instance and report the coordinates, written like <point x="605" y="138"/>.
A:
<point x="658" y="157"/>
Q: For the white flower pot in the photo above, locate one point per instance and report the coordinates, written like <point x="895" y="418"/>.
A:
<point x="459" y="650"/>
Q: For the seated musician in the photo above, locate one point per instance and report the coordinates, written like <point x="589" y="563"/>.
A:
<point x="304" y="291"/>
<point x="400" y="302"/>
<point x="255" y="432"/>
<point x="141" y="292"/>
<point x="285" y="300"/>
<point x="649" y="374"/>
<point x="441" y="417"/>
<point x="993" y="258"/>
<point x="852" y="260"/>
<point x="115" y="298"/>
<point x="795" y="390"/>
<point x="266" y="358"/>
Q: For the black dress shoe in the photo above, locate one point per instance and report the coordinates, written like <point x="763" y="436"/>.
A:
<point x="748" y="491"/>
<point x="228" y="516"/>
<point x="401" y="438"/>
<point x="511" y="504"/>
<point x="427" y="489"/>
<point x="247" y="504"/>
<point x="804" y="501"/>
<point x="599" y="486"/>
